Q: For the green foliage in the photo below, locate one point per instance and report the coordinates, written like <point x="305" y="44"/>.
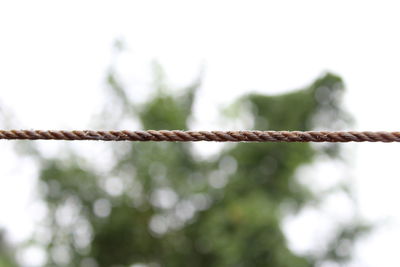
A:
<point x="161" y="204"/>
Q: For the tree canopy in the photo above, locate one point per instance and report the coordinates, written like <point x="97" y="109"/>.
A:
<point x="160" y="204"/>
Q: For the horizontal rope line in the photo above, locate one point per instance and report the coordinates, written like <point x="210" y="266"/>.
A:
<point x="193" y="136"/>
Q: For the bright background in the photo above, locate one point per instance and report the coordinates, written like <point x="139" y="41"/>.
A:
<point x="54" y="56"/>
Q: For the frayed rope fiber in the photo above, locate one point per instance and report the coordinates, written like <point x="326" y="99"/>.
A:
<point x="193" y="136"/>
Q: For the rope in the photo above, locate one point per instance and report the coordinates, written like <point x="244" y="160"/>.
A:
<point x="192" y="136"/>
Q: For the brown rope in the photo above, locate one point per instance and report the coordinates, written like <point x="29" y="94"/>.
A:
<point x="192" y="136"/>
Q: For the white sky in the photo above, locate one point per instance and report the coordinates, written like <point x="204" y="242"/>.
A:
<point x="53" y="57"/>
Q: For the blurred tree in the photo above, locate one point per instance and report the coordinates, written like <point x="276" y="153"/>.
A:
<point x="7" y="258"/>
<point x="160" y="205"/>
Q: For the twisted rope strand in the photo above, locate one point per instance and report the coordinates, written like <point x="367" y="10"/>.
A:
<point x="194" y="136"/>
